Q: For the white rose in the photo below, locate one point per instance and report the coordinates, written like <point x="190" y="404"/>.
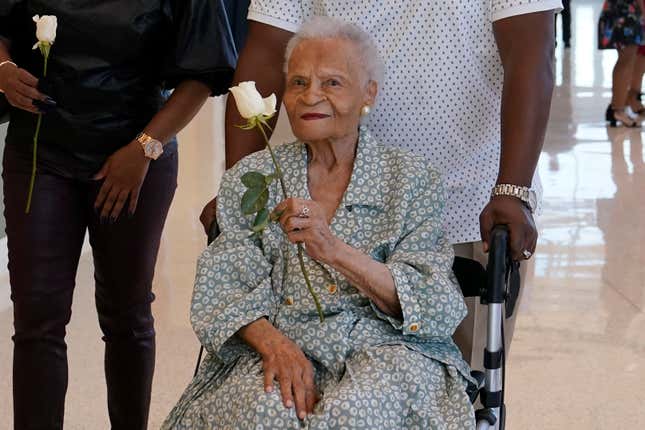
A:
<point x="250" y="102"/>
<point x="46" y="26"/>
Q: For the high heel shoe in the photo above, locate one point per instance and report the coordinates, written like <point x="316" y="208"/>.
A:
<point x="636" y="104"/>
<point x="614" y="115"/>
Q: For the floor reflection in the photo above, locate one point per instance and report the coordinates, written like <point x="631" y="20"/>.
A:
<point x="579" y="350"/>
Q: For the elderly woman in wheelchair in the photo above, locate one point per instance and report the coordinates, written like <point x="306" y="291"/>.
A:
<point x="370" y="220"/>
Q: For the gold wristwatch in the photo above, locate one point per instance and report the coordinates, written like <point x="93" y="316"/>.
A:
<point x="152" y="148"/>
<point x="525" y="194"/>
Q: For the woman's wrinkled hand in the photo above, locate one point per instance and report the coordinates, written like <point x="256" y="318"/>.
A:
<point x="284" y="361"/>
<point x="304" y="221"/>
<point x="20" y="88"/>
<point x="123" y="174"/>
<point x="510" y="211"/>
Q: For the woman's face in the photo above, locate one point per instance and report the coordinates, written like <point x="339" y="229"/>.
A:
<point x="325" y="90"/>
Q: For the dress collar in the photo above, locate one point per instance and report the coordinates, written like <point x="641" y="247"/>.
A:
<point x="364" y="187"/>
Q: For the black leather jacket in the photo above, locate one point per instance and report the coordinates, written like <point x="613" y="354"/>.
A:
<point x="110" y="68"/>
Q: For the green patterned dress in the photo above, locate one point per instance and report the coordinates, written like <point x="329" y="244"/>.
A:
<point x="372" y="371"/>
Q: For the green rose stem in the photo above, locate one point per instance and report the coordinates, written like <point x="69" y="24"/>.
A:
<point x="44" y="49"/>
<point x="301" y="257"/>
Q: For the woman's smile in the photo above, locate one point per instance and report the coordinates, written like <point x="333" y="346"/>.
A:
<point x="314" y="116"/>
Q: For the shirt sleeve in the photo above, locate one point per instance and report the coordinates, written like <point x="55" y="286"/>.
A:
<point x="285" y="14"/>
<point x="202" y="46"/>
<point x="233" y="284"/>
<point x="8" y="11"/>
<point x="421" y="266"/>
<point x="501" y="9"/>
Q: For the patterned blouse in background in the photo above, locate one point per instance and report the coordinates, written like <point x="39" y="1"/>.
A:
<point x="620" y="24"/>
<point x="373" y="371"/>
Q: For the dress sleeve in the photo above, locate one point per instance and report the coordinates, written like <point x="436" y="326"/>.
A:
<point x="501" y="9"/>
<point x="202" y="46"/>
<point x="233" y="284"/>
<point x="421" y="266"/>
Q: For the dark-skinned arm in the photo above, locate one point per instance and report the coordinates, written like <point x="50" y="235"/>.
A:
<point x="526" y="44"/>
<point x="261" y="61"/>
<point x="124" y="171"/>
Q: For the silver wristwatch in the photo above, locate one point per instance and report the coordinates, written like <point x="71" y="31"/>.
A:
<point x="152" y="148"/>
<point x="525" y="194"/>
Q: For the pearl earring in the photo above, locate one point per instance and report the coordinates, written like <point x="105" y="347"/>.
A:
<point x="365" y="110"/>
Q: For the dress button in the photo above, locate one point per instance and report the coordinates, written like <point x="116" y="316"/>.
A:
<point x="289" y="301"/>
<point x="414" y="327"/>
<point x="332" y="288"/>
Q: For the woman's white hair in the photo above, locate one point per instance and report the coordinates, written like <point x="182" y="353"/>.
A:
<point x="324" y="27"/>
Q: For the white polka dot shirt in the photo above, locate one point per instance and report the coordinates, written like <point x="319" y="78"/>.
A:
<point x="442" y="90"/>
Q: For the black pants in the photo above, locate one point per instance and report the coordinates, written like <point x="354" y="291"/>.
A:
<point x="566" y="21"/>
<point x="44" y="250"/>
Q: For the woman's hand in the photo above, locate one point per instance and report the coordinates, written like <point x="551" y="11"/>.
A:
<point x="124" y="173"/>
<point x="20" y="88"/>
<point x="284" y="361"/>
<point x="304" y="221"/>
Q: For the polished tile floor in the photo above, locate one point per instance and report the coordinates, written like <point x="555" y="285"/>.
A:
<point x="578" y="357"/>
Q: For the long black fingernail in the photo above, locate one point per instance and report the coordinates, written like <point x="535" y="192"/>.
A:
<point x="50" y="101"/>
<point x="43" y="107"/>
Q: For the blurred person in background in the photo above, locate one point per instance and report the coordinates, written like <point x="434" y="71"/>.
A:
<point x="620" y="28"/>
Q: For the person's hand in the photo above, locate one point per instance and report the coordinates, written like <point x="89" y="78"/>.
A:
<point x="304" y="221"/>
<point x="208" y="215"/>
<point x="284" y="361"/>
<point x="123" y="175"/>
<point x="20" y="88"/>
<point x="510" y="211"/>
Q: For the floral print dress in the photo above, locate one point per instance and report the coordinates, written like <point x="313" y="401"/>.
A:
<point x="372" y="371"/>
<point x="620" y="24"/>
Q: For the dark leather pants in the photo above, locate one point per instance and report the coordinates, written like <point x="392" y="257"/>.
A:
<point x="44" y="250"/>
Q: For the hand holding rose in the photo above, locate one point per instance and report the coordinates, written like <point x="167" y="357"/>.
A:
<point x="304" y="221"/>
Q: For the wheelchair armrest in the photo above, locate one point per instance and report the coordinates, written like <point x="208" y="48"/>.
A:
<point x="471" y="276"/>
<point x="213" y="231"/>
<point x="473" y="390"/>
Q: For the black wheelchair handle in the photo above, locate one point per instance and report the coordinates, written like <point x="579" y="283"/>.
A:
<point x="498" y="260"/>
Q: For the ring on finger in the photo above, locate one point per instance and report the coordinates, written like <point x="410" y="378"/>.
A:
<point x="527" y="254"/>
<point x="304" y="212"/>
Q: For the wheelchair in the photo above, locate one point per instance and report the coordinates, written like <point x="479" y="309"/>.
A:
<point x="498" y="287"/>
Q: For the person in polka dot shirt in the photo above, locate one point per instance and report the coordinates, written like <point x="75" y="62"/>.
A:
<point x="467" y="85"/>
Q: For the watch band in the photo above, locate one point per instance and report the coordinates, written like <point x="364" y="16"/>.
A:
<point x="511" y="190"/>
<point x="143" y="138"/>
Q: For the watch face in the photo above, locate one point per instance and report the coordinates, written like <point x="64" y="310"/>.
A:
<point x="153" y="149"/>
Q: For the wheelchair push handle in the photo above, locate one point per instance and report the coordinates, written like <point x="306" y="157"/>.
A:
<point x="498" y="260"/>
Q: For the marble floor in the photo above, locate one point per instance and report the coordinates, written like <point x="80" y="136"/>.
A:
<point x="578" y="357"/>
